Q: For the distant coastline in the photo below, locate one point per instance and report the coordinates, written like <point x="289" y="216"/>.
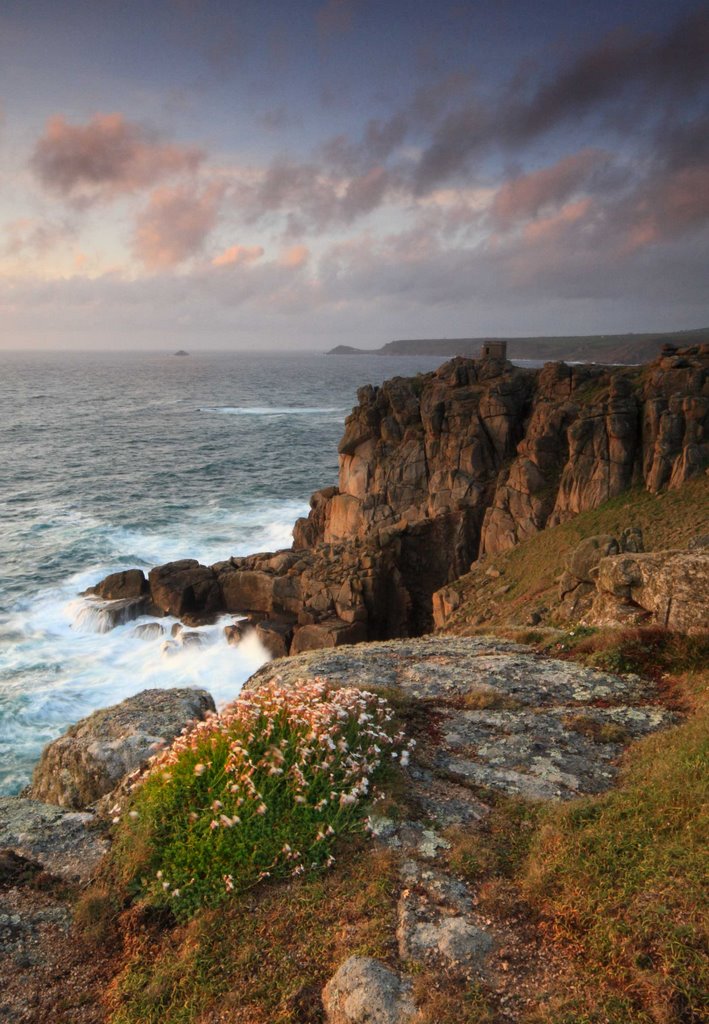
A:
<point x="604" y="348"/>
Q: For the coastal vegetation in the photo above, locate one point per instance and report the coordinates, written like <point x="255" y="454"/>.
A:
<point x="262" y="790"/>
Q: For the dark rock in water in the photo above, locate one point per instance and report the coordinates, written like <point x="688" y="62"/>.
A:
<point x="62" y="841"/>
<point x="103" y="616"/>
<point x="122" y="585"/>
<point x="236" y="632"/>
<point x="181" y="352"/>
<point x="149" y="631"/>
<point x="92" y="757"/>
<point x="276" y="636"/>
<point x="178" y="588"/>
<point x="190" y="638"/>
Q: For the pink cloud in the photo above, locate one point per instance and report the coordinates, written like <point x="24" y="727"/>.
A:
<point x="668" y="206"/>
<point x="106" y="157"/>
<point x="550" y="228"/>
<point x="524" y="197"/>
<point x="295" y="257"/>
<point x="175" y="225"/>
<point x="238" y="254"/>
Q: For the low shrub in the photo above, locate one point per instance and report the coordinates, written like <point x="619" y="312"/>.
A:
<point x="262" y="790"/>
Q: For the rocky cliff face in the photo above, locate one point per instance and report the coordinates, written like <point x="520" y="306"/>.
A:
<point x="436" y="471"/>
<point x="503" y="452"/>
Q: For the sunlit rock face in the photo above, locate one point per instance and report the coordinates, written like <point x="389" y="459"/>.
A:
<point x="439" y="470"/>
<point x="504" y="451"/>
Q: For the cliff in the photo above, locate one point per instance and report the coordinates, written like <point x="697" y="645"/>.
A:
<point x="437" y="471"/>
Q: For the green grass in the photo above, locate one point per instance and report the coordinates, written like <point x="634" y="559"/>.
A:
<point x="668" y="520"/>
<point x="262" y="791"/>
<point x="620" y="880"/>
<point x="265" y="958"/>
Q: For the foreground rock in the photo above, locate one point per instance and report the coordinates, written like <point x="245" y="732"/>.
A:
<point x="501" y="717"/>
<point x="65" y="843"/>
<point x="365" y="991"/>
<point x="94" y="755"/>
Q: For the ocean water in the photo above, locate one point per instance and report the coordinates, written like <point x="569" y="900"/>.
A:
<point x="118" y="460"/>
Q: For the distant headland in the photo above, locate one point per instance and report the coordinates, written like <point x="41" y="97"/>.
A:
<point x="603" y="348"/>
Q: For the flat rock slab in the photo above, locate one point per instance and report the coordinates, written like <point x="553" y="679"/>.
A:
<point x="500" y="716"/>
<point x="63" y="842"/>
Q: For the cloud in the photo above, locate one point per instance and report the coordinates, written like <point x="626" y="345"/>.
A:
<point x="295" y="257"/>
<point x="175" y="225"/>
<point x="31" y="235"/>
<point x="660" y="70"/>
<point x="237" y="255"/>
<point x="523" y="197"/>
<point x="107" y="157"/>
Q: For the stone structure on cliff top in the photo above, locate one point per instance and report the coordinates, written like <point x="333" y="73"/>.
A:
<point x="436" y="471"/>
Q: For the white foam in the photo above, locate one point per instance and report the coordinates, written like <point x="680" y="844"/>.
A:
<point x="57" y="662"/>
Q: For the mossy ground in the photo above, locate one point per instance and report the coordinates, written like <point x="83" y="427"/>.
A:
<point x="530" y="571"/>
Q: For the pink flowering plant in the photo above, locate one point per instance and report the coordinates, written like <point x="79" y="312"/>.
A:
<point x="261" y="790"/>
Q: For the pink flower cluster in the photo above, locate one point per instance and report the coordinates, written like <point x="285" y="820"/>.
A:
<point x="309" y="747"/>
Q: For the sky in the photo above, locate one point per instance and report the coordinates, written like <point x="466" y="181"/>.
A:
<point x="296" y="174"/>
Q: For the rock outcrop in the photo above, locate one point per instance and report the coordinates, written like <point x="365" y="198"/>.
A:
<point x="436" y="471"/>
<point x="94" y="755"/>
<point x="63" y="842"/>
<point x="663" y="588"/>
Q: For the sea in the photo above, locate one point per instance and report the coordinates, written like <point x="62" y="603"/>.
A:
<point x="111" y="461"/>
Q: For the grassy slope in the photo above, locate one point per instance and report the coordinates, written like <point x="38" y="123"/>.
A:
<point x="531" y="570"/>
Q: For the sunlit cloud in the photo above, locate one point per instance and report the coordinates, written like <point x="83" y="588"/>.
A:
<point x="106" y="157"/>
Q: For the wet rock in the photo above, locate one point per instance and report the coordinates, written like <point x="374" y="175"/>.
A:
<point x="182" y="587"/>
<point x="64" y="842"/>
<point x="149" y="631"/>
<point x="122" y="585"/>
<point x="102" y="616"/>
<point x="236" y="632"/>
<point x="94" y="755"/>
<point x="365" y="991"/>
<point x="190" y="638"/>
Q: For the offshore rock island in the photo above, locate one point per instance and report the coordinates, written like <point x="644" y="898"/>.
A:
<point x="437" y="472"/>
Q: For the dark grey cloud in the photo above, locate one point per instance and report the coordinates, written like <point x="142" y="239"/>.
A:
<point x="663" y="69"/>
